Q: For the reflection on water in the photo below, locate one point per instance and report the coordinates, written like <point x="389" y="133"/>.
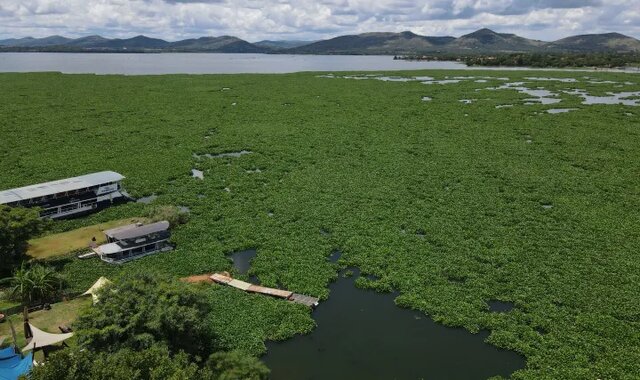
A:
<point x="362" y="334"/>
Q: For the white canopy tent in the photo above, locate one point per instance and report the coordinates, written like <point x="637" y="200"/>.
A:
<point x="42" y="339"/>
<point x="93" y="290"/>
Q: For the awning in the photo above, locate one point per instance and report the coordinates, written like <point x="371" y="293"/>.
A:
<point x="42" y="339"/>
<point x="93" y="290"/>
<point x="108" y="249"/>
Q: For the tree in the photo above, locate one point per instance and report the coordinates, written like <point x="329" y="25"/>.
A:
<point x="35" y="283"/>
<point x="142" y="310"/>
<point x="234" y="365"/>
<point x="153" y="363"/>
<point x="145" y="328"/>
<point x="171" y="214"/>
<point x="17" y="226"/>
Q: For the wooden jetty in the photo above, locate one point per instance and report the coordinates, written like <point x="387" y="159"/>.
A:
<point x="224" y="278"/>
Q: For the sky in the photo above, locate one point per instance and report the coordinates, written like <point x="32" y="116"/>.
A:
<point x="256" y="20"/>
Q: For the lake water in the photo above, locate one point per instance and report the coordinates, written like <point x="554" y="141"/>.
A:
<point x="218" y="63"/>
<point x="362" y="334"/>
<point x="204" y="63"/>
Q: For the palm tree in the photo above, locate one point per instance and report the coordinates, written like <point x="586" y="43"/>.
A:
<point x="21" y="284"/>
<point x="46" y="282"/>
<point x="35" y="283"/>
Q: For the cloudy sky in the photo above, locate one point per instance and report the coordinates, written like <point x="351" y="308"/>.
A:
<point x="255" y="20"/>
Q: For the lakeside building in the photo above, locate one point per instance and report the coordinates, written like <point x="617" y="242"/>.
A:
<point x="68" y="197"/>
<point x="134" y="241"/>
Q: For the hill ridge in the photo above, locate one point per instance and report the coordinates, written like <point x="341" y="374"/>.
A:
<point x="483" y="40"/>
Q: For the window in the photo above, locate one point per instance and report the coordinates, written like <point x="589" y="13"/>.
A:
<point x="49" y="211"/>
<point x="67" y="208"/>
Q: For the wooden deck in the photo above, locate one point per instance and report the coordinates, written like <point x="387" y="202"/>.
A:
<point x="223" y="278"/>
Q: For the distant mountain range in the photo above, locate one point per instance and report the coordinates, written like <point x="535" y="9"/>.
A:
<point x="483" y="41"/>
<point x="284" y="44"/>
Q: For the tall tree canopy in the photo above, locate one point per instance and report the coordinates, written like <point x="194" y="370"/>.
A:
<point x="153" y="363"/>
<point x="145" y="328"/>
<point x="142" y="310"/>
<point x="17" y="226"/>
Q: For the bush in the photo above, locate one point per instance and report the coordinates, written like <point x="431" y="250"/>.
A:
<point x="172" y="214"/>
<point x="143" y="310"/>
<point x="17" y="226"/>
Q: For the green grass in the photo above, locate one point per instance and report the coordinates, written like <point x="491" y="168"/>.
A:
<point x="65" y="242"/>
<point x="61" y="313"/>
<point x="6" y="304"/>
<point x="371" y="164"/>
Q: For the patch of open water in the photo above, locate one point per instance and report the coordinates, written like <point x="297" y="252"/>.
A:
<point x="624" y="98"/>
<point x="443" y="81"/>
<point x="500" y="306"/>
<point x="362" y="334"/>
<point x="560" y="110"/>
<point x="222" y="155"/>
<point x="148" y="199"/>
<point x="242" y="260"/>
<point x="547" y="79"/>
<point x="197" y="174"/>
<point x="540" y="96"/>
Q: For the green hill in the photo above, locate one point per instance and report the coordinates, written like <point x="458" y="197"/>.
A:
<point x="597" y="42"/>
<point x="376" y="43"/>
<point x="490" y="41"/>
<point x="224" y="44"/>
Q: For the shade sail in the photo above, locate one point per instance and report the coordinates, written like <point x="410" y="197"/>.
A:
<point x="42" y="339"/>
<point x="93" y="290"/>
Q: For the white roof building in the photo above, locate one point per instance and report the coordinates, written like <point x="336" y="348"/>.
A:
<point x="60" y="186"/>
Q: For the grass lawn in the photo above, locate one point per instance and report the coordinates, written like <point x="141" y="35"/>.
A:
<point x="61" y="313"/>
<point x="65" y="242"/>
<point x="6" y="304"/>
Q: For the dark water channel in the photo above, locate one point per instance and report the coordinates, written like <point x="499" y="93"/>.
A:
<point x="500" y="307"/>
<point x="242" y="260"/>
<point x="362" y="334"/>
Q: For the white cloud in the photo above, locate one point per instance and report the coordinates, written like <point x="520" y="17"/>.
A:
<point x="309" y="19"/>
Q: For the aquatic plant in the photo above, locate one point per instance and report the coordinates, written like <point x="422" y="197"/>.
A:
<point x="440" y="200"/>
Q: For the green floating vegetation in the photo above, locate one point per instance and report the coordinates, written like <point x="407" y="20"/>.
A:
<point x="450" y="204"/>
